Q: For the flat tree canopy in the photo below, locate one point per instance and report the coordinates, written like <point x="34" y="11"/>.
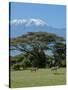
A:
<point x="36" y="44"/>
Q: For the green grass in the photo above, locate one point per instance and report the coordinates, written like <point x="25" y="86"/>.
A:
<point x="42" y="77"/>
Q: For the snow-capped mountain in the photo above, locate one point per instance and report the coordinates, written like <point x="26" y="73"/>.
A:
<point x="28" y="22"/>
<point x="22" y="26"/>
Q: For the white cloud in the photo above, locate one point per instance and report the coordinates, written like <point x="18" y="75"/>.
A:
<point x="28" y="22"/>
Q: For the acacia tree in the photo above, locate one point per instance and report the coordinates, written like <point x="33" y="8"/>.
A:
<point x="35" y="44"/>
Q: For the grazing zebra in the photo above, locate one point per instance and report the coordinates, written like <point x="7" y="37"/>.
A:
<point x="54" y="68"/>
<point x="34" y="69"/>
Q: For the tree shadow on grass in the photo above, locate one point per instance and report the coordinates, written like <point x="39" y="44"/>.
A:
<point x="57" y="73"/>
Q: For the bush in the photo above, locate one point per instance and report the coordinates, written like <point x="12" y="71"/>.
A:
<point x="63" y="63"/>
<point x="26" y="63"/>
<point x="16" y="67"/>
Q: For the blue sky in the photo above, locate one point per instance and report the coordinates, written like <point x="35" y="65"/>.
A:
<point x="54" y="15"/>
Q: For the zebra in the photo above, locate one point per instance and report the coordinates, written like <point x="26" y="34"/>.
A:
<point x="34" y="69"/>
<point x="54" y="68"/>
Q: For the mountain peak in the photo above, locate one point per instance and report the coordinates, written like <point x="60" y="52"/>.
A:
<point x="29" y="22"/>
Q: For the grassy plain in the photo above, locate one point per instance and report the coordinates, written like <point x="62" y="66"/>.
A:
<point x="42" y="77"/>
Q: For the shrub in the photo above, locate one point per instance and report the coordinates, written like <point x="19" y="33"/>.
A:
<point x="16" y="67"/>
